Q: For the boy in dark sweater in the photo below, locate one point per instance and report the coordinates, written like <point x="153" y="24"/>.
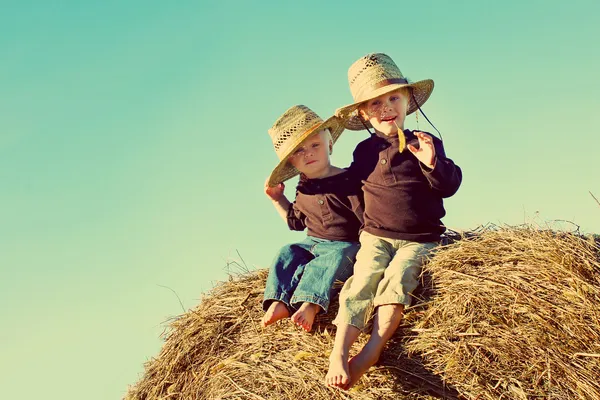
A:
<point x="405" y="174"/>
<point x="328" y="204"/>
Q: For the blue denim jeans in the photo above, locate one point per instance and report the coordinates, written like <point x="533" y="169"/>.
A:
<point x="305" y="272"/>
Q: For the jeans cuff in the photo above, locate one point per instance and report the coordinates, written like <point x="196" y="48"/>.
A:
<point x="270" y="297"/>
<point x="309" y="298"/>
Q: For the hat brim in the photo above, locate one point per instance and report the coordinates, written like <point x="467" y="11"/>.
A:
<point x="421" y="91"/>
<point x="284" y="170"/>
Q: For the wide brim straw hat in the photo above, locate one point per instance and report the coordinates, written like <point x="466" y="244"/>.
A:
<point x="373" y="75"/>
<point x="289" y="132"/>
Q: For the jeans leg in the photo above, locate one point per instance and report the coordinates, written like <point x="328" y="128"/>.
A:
<point x="333" y="261"/>
<point x="285" y="272"/>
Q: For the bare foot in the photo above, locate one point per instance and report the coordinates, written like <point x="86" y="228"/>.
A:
<point x="305" y="316"/>
<point x="360" y="364"/>
<point x="277" y="310"/>
<point x="338" y="374"/>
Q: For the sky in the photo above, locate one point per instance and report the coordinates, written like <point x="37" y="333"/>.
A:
<point x="134" y="149"/>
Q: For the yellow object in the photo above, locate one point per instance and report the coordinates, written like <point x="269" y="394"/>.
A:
<point x="357" y="388"/>
<point x="402" y="139"/>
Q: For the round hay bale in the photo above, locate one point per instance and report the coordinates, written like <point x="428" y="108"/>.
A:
<point x="219" y="351"/>
<point x="515" y="315"/>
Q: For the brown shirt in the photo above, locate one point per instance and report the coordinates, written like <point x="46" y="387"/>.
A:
<point x="403" y="198"/>
<point x="329" y="208"/>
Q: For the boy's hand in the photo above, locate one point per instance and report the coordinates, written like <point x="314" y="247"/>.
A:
<point x="426" y="151"/>
<point x="274" y="192"/>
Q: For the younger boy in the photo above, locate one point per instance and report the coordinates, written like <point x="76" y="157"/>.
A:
<point x="403" y="191"/>
<point x="328" y="204"/>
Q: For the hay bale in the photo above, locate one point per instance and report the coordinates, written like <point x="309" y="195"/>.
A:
<point x="516" y="315"/>
<point x="509" y="313"/>
<point x="219" y="351"/>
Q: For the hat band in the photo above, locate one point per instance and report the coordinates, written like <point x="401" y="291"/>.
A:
<point x="392" y="81"/>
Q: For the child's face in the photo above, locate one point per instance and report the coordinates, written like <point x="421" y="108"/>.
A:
<point x="312" y="158"/>
<point x="387" y="112"/>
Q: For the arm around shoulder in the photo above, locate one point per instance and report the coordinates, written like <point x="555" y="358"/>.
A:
<point x="360" y="166"/>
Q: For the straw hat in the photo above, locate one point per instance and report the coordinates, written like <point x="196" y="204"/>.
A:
<point x="372" y="76"/>
<point x="290" y="130"/>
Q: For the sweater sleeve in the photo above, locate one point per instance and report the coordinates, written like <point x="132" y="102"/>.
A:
<point x="354" y="166"/>
<point x="296" y="220"/>
<point x="360" y="165"/>
<point x="445" y="177"/>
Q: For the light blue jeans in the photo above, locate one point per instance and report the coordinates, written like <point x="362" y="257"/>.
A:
<point x="305" y="272"/>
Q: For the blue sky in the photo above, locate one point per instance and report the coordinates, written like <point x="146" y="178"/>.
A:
<point x="134" y="148"/>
